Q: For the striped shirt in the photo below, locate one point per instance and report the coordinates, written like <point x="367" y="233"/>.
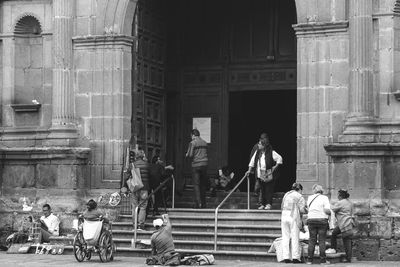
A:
<point x="198" y="152"/>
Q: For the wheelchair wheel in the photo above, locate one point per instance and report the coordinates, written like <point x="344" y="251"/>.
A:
<point x="79" y="247"/>
<point x="105" y="247"/>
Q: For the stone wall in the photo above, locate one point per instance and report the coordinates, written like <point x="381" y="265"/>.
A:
<point x="377" y="238"/>
<point x="14" y="219"/>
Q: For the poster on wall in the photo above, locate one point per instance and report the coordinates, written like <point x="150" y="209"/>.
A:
<point x="204" y="127"/>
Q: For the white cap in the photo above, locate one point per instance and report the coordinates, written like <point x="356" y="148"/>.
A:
<point x="158" y="222"/>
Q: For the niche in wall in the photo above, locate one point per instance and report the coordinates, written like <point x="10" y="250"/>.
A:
<point x="28" y="77"/>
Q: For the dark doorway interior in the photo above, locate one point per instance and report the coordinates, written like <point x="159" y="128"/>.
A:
<point x="254" y="112"/>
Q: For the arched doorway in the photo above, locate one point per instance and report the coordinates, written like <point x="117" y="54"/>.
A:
<point x="230" y="62"/>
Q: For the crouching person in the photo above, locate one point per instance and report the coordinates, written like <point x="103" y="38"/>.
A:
<point x="162" y="244"/>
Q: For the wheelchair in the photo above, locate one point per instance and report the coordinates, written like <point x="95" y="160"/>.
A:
<point x="102" y="244"/>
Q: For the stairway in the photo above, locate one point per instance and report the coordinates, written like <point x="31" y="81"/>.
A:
<point x="242" y="234"/>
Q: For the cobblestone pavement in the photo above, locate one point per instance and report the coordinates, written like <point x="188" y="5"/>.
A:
<point x="69" y="260"/>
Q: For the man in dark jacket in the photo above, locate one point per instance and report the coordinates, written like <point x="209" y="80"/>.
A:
<point x="197" y="151"/>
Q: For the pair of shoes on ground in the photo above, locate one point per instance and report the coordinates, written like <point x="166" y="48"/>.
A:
<point x="293" y="261"/>
<point x="322" y="262"/>
<point x="330" y="251"/>
<point x="266" y="207"/>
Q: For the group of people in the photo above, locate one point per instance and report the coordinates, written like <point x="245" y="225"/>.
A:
<point x="264" y="161"/>
<point x="318" y="210"/>
<point x="152" y="175"/>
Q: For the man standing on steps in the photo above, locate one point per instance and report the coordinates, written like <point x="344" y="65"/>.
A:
<point x="197" y="151"/>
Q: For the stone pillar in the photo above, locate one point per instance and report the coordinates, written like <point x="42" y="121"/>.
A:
<point x="361" y="71"/>
<point x="63" y="126"/>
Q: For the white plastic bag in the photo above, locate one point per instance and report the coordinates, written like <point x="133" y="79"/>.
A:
<point x="135" y="182"/>
<point x="91" y="231"/>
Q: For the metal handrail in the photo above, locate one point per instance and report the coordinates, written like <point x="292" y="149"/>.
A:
<point x="223" y="201"/>
<point x="150" y="195"/>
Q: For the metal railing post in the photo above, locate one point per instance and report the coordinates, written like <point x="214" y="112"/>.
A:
<point x="173" y="192"/>
<point x="248" y="192"/>
<point x="135" y="229"/>
<point x="223" y="201"/>
<point x="215" y="229"/>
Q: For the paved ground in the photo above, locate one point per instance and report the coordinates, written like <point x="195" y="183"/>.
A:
<point x="69" y="260"/>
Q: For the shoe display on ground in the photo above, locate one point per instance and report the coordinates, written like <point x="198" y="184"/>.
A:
<point x="330" y="251"/>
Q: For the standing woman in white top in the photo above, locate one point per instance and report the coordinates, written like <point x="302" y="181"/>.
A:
<point x="265" y="160"/>
<point x="293" y="205"/>
<point x="319" y="210"/>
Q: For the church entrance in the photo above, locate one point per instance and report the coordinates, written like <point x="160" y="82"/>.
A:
<point x="226" y="66"/>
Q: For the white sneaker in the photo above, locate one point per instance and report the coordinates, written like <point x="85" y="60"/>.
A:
<point x="330" y="251"/>
<point x="267" y="207"/>
<point x="261" y="207"/>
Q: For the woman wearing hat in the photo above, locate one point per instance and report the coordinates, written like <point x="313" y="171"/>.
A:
<point x="344" y="214"/>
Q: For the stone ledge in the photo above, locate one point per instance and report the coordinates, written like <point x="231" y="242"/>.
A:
<point x="320" y="28"/>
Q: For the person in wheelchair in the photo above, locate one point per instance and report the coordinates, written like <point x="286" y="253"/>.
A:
<point x="93" y="214"/>
<point x="94" y="235"/>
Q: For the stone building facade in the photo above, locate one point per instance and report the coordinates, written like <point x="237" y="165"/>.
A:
<point x="82" y="79"/>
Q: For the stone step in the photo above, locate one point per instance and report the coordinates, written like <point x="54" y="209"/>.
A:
<point x="223" y="213"/>
<point x="204" y="236"/>
<point x="210" y="219"/>
<point x="209" y="227"/>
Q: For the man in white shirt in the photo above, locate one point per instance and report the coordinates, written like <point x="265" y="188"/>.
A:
<point x="49" y="223"/>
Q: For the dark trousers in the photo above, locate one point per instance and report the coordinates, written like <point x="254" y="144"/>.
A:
<point x="199" y="185"/>
<point x="318" y="229"/>
<point x="346" y="237"/>
<point x="266" y="192"/>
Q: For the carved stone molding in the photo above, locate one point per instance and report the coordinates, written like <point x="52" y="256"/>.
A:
<point x="102" y="41"/>
<point x="304" y="29"/>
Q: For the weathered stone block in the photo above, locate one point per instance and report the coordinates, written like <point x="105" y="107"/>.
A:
<point x="366" y="249"/>
<point x="340" y="10"/>
<point x="362" y="208"/>
<point x="341" y="174"/>
<point x="82" y="105"/>
<point x="324" y="10"/>
<point x="19" y="176"/>
<point x="82" y="25"/>
<point x="381" y="227"/>
<point x="362" y="226"/>
<point x="396" y="227"/>
<point x="378" y="206"/>
<point x="46" y="175"/>
<point x="340" y="73"/>
<point x="389" y="250"/>
<point x="85" y="81"/>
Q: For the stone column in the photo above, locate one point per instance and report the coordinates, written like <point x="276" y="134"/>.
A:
<point x="63" y="101"/>
<point x="361" y="71"/>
